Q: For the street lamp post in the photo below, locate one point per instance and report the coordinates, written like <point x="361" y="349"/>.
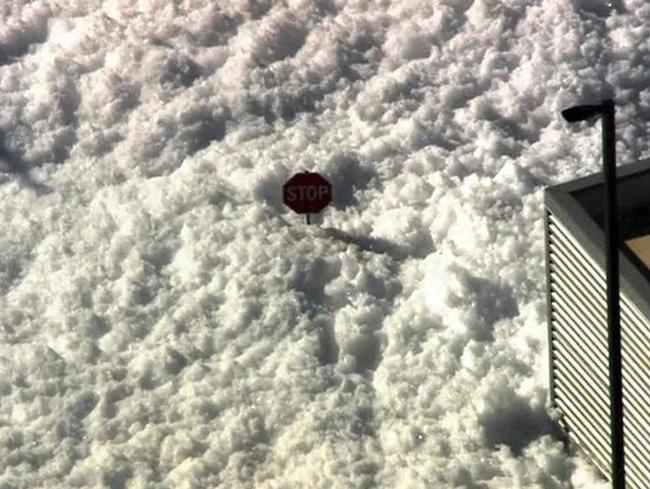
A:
<point x="581" y="113"/>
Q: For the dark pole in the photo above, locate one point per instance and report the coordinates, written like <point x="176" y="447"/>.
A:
<point x="582" y="113"/>
<point x="613" y="305"/>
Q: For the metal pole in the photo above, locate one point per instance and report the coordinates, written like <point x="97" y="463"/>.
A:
<point x="613" y="306"/>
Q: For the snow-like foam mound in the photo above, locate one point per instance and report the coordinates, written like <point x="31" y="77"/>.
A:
<point x="165" y="321"/>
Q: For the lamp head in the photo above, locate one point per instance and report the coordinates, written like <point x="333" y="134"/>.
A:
<point x="579" y="113"/>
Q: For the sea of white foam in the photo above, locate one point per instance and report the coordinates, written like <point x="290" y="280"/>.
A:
<point x="166" y="322"/>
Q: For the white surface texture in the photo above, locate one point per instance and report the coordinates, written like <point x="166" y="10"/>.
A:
<point x="166" y="322"/>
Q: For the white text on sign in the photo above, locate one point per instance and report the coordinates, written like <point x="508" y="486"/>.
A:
<point x="302" y="192"/>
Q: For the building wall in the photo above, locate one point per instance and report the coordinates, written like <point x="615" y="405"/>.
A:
<point x="579" y="360"/>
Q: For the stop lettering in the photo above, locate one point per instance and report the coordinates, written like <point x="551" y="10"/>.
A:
<point x="302" y="192"/>
<point x="307" y="193"/>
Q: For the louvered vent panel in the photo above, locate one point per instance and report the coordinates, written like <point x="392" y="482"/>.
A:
<point x="636" y="392"/>
<point x="580" y="361"/>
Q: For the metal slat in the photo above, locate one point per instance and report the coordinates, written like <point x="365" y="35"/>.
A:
<point x="580" y="326"/>
<point x="596" y="411"/>
<point x="564" y="369"/>
<point x="634" y="390"/>
<point x="561" y="279"/>
<point x="581" y="309"/>
<point x="567" y="282"/>
<point x="627" y="306"/>
<point x="579" y="357"/>
<point x="634" y="421"/>
<point x="593" y="444"/>
<point x="589" y="335"/>
<point x="635" y="356"/>
<point x="596" y="394"/>
<point x="583" y="395"/>
<point x="597" y="372"/>
<point x="635" y="313"/>
<point x="575" y="261"/>
<point x="584" y="446"/>
<point x="583" y="418"/>
<point x="638" y="416"/>
<point x="633" y="448"/>
<point x="634" y="457"/>
<point x="631" y="365"/>
<point x="549" y="313"/>
<point x="591" y="267"/>
<point x="638" y="420"/>
<point x="598" y="447"/>
<point x="632" y="469"/>
<point x="575" y="402"/>
<point x="636" y="349"/>
<point x="562" y="325"/>
<point x="580" y="343"/>
<point x="562" y="239"/>
<point x="632" y="432"/>
<point x="563" y="235"/>
<point x="628" y="343"/>
<point x="633" y="330"/>
<point x="632" y="320"/>
<point x="631" y="415"/>
<point x="594" y="383"/>
<point x="632" y="428"/>
<point x="634" y="476"/>
<point x="561" y="232"/>
<point x="596" y="444"/>
<point x="560" y="259"/>
<point x="560" y="288"/>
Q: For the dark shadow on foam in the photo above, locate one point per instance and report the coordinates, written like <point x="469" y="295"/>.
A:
<point x="285" y="106"/>
<point x="366" y="243"/>
<point x="12" y="163"/>
<point x="600" y="10"/>
<point x="516" y="424"/>
<point x="370" y="244"/>
<point x="348" y="176"/>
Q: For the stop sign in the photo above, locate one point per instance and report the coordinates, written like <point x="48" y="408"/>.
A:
<point x="307" y="193"/>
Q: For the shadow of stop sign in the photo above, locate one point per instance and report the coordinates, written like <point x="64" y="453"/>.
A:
<point x="307" y="193"/>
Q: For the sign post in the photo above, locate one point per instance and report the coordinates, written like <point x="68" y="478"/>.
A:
<point x="307" y="193"/>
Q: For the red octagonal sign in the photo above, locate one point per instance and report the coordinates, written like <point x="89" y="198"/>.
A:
<point x="307" y="193"/>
